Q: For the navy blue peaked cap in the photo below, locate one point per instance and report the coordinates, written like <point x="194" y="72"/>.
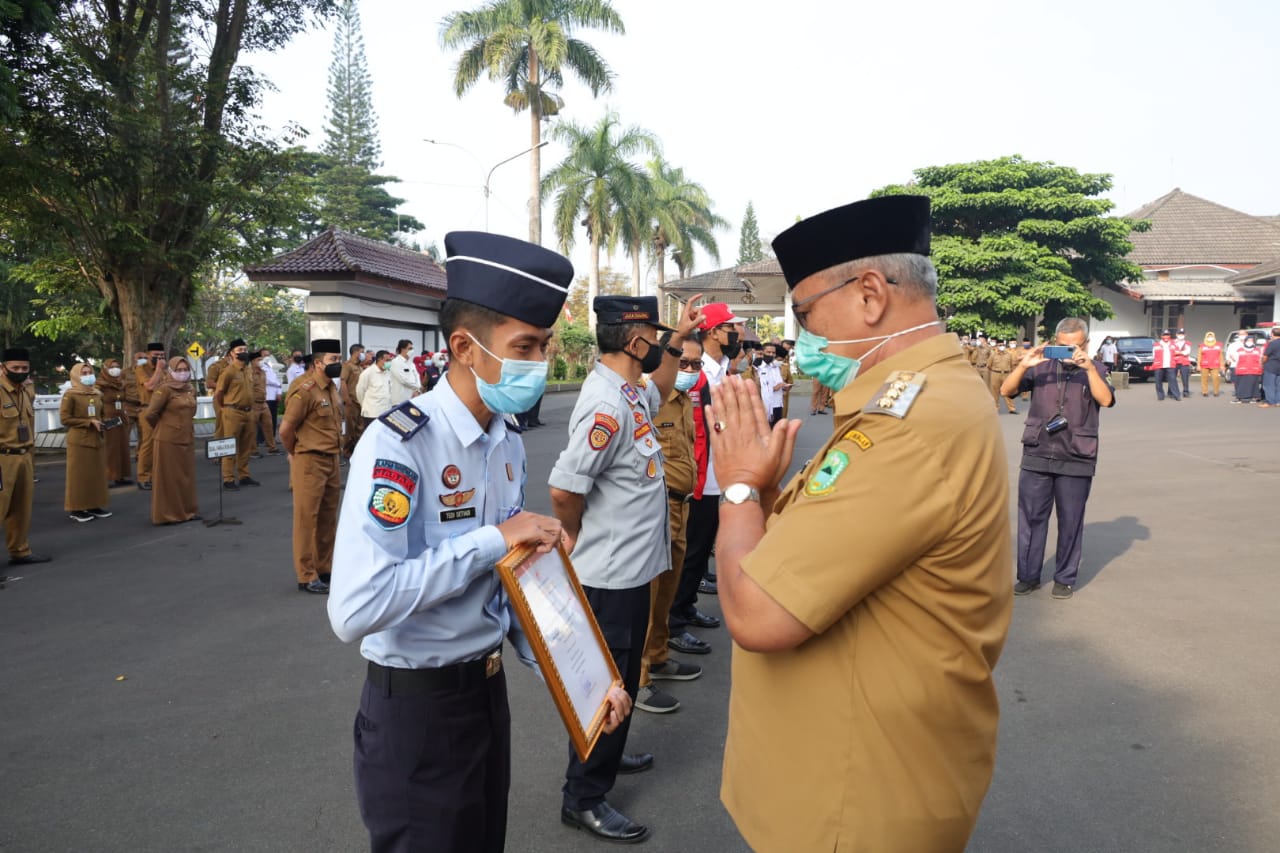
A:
<point x="507" y="275"/>
<point x="620" y="310"/>
<point x="889" y="225"/>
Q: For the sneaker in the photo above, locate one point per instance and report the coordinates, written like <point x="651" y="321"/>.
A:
<point x="1061" y="590"/>
<point x="316" y="587"/>
<point x="100" y="513"/>
<point x="707" y="587"/>
<point x="80" y="516"/>
<point x="1024" y="587"/>
<point x="654" y="701"/>
<point x="674" y="670"/>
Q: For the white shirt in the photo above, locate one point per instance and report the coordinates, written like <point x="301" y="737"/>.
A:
<point x="716" y="371"/>
<point x="294" y="371"/>
<point x="1233" y="351"/>
<point x="769" y="376"/>
<point x="405" y="383"/>
<point x="373" y="391"/>
<point x="273" y="381"/>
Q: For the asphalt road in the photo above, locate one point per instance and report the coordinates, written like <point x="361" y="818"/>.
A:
<point x="168" y="688"/>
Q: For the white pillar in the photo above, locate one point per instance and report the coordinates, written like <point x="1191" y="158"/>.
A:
<point x="1275" y="300"/>
<point x="788" y="319"/>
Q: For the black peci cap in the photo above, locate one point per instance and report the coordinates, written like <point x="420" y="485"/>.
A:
<point x="878" y="226"/>
<point x="15" y="354"/>
<point x="238" y="342"/>
<point x="326" y="345"/>
<point x="507" y="275"/>
<point x="620" y="310"/>
<point x="155" y="345"/>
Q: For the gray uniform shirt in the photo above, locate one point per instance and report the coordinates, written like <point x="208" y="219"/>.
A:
<point x="614" y="461"/>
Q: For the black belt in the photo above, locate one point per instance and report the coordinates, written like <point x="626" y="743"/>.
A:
<point x="15" y="451"/>
<point x="679" y="496"/>
<point x="320" y="452"/>
<point x="405" y="682"/>
<point x="132" y="403"/>
<point x="239" y="408"/>
<point x="998" y="371"/>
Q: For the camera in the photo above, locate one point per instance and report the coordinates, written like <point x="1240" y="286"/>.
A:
<point x="1058" y="424"/>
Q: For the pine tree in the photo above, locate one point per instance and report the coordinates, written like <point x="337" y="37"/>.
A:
<point x="750" y="248"/>
<point x="351" y="138"/>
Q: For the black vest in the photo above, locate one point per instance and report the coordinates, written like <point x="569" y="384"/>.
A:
<point x="1056" y="389"/>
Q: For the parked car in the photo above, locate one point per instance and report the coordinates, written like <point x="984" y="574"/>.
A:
<point x="1136" y="357"/>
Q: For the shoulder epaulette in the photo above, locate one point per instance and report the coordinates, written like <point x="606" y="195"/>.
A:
<point x="406" y="419"/>
<point x="896" y="395"/>
<point x="512" y="424"/>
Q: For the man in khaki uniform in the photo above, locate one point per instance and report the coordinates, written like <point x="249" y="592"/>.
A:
<point x="868" y="601"/>
<point x="311" y="431"/>
<point x="145" y="377"/>
<point x="234" y="395"/>
<point x="17" y="447"/>
<point x="674" y="424"/>
<point x="211" y="383"/>
<point x="351" y="370"/>
<point x="999" y="365"/>
<point x="981" y="357"/>
<point x="261" y="416"/>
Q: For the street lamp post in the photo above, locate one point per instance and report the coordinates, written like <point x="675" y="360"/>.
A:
<point x="490" y="175"/>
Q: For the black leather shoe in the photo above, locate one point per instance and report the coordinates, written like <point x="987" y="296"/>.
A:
<point x="230" y="485"/>
<point x="688" y="644"/>
<point x="317" y="587"/>
<point x="636" y="762"/>
<point x="704" y="620"/>
<point x="146" y="487"/>
<point x="28" y="560"/>
<point x="249" y="481"/>
<point x="604" y="821"/>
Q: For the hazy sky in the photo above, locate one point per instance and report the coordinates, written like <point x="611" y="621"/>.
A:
<point x="805" y="105"/>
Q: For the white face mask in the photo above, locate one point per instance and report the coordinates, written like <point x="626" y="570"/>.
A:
<point x="142" y="362"/>
<point x="113" y="371"/>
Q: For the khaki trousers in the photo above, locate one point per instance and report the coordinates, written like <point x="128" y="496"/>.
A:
<point x="17" y="489"/>
<point x="238" y="425"/>
<point x="1204" y="382"/>
<point x="662" y="591"/>
<point x="994" y="381"/>
<point x="145" y="432"/>
<point x="262" y="421"/>
<point x="316" y="487"/>
<point x="354" y="429"/>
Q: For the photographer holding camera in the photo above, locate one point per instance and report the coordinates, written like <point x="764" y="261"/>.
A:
<point x="1059" y="450"/>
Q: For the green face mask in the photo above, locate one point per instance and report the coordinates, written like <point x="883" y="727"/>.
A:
<point x="837" y="371"/>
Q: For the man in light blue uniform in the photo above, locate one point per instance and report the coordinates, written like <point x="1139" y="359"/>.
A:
<point x="434" y="499"/>
<point x="608" y="490"/>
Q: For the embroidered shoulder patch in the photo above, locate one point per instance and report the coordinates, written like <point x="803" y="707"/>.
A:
<point x="897" y="395"/>
<point x="630" y="393"/>
<point x="406" y="419"/>
<point x="823" y="481"/>
<point x="395" y="473"/>
<point x="602" y="431"/>
<point x="857" y="437"/>
<point x="389" y="507"/>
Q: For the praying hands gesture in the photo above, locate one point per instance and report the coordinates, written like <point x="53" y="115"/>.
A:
<point x="743" y="446"/>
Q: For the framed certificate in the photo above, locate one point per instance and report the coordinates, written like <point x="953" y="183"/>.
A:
<point x="571" y="651"/>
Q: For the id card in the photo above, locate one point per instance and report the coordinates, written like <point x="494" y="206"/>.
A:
<point x="93" y="410"/>
<point x="24" y="433"/>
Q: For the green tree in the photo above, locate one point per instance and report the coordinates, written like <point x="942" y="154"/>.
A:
<point x="134" y="149"/>
<point x="683" y="219"/>
<point x="578" y="304"/>
<point x="528" y="45"/>
<point x="1015" y="239"/>
<point x="750" y="248"/>
<point x="351" y="137"/>
<point x="593" y="182"/>
<point x="264" y="315"/>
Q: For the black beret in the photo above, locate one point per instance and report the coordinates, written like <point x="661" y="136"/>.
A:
<point x="878" y="226"/>
<point x="507" y="275"/>
<point x="620" y="310"/>
<point x="238" y="342"/>
<point x="326" y="345"/>
<point x="155" y="345"/>
<point x="15" y="354"/>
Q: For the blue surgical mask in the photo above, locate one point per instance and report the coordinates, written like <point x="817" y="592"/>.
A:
<point x="685" y="381"/>
<point x="89" y="380"/>
<point x="517" y="389"/>
<point x="837" y="371"/>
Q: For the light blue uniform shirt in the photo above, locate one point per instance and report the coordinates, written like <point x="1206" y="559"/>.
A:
<point x="413" y="566"/>
<point x="614" y="460"/>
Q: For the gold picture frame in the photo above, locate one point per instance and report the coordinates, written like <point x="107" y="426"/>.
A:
<point x="566" y="640"/>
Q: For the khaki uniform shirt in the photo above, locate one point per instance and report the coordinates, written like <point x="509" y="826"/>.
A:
<point x="675" y="435"/>
<point x="259" y="381"/>
<point x="894" y="547"/>
<point x="314" y="411"/>
<point x="236" y="386"/>
<point x="983" y="356"/>
<point x="142" y="375"/>
<point x="351" y="371"/>
<point x="17" y="416"/>
<point x="1000" y="362"/>
<point x="215" y="373"/>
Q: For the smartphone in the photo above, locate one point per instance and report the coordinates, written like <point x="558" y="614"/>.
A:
<point x="111" y="423"/>
<point x="1059" y="352"/>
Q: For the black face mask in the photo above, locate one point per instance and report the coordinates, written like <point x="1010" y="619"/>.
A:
<point x="652" y="359"/>
<point x="333" y="371"/>
<point x="768" y="359"/>
<point x="244" y="357"/>
<point x="17" y="377"/>
<point x="297" y="359"/>
<point x="759" y="360"/>
<point x="732" y="351"/>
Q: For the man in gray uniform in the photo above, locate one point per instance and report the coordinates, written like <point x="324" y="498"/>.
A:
<point x="608" y="491"/>
<point x="434" y="500"/>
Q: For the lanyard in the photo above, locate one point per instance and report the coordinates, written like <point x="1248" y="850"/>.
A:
<point x="17" y="403"/>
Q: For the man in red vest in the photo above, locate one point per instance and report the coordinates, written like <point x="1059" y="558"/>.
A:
<point x="1210" y="365"/>
<point x="1165" y="355"/>
<point x="1182" y="357"/>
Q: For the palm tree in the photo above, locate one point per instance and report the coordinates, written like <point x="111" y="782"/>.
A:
<point x="527" y="44"/>
<point x="595" y="180"/>
<point x="633" y="226"/>
<point x="683" y="219"/>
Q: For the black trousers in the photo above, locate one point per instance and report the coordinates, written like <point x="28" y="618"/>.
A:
<point x="1167" y="376"/>
<point x="531" y="416"/>
<point x="1184" y="374"/>
<point x="433" y="769"/>
<point x="623" y="615"/>
<point x="1038" y="496"/>
<point x="704" y="523"/>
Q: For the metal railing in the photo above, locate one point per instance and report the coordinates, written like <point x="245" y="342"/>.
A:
<point x="51" y="435"/>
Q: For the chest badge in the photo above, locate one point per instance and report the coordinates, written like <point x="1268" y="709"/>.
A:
<point x="457" y="498"/>
<point x="651" y="470"/>
<point x="823" y="481"/>
<point x="451" y="477"/>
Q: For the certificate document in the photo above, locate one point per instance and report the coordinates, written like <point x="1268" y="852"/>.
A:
<point x="571" y="652"/>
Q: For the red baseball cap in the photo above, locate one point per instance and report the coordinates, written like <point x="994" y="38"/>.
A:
<point x="717" y="314"/>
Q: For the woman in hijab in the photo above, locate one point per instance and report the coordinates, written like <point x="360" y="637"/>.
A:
<point x="171" y="415"/>
<point x="82" y="415"/>
<point x="111" y="383"/>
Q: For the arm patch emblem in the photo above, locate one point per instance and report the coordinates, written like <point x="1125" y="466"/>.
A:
<point x="602" y="431"/>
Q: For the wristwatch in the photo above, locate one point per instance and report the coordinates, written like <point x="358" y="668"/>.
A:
<point x="675" y="351"/>
<point x="739" y="493"/>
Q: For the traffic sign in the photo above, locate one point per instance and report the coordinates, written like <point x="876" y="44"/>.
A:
<point x="195" y="350"/>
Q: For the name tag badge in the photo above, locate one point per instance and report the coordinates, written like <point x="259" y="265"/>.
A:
<point x="93" y="410"/>
<point x="458" y="514"/>
<point x="119" y="405"/>
<point x="24" y="432"/>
